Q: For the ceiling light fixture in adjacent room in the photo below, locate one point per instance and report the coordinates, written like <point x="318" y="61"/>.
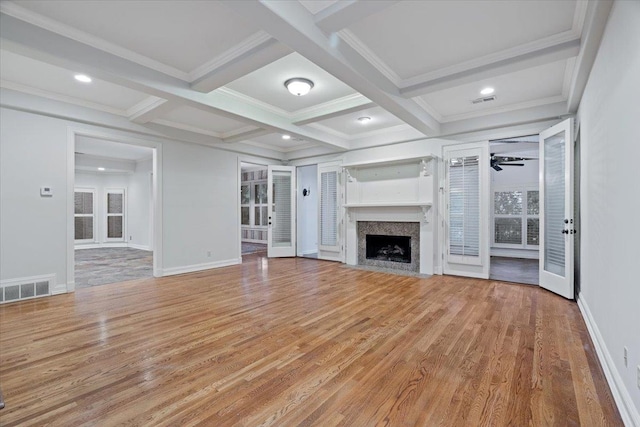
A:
<point x="364" y="120"/>
<point x="487" y="91"/>
<point x="286" y="136"/>
<point x="101" y="169"/>
<point x="82" y="78"/>
<point x="298" y="86"/>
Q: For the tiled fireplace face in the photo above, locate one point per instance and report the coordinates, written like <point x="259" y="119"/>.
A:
<point x="383" y="228"/>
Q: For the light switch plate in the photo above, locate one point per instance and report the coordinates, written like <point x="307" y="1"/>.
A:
<point x="46" y="191"/>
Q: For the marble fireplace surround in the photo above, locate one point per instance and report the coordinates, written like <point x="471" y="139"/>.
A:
<point x="389" y="228"/>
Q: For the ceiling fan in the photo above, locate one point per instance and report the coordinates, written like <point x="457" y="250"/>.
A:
<point x="497" y="161"/>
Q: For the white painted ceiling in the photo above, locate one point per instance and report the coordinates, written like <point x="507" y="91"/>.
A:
<point x="217" y="68"/>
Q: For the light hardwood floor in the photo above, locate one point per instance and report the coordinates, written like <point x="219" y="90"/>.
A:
<point x="301" y="342"/>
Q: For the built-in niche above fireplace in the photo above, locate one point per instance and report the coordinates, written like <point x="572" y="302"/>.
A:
<point x="392" y="245"/>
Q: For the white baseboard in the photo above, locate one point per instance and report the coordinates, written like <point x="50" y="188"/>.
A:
<point x="628" y="411"/>
<point x="62" y="288"/>
<point x="309" y="252"/>
<point x="140" y="247"/>
<point x="515" y="253"/>
<point x="199" y="267"/>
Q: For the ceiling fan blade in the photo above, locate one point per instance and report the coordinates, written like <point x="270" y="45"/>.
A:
<point x="511" y="164"/>
<point x="496" y="167"/>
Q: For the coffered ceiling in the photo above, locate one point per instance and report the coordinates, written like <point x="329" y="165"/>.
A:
<point x="217" y="68"/>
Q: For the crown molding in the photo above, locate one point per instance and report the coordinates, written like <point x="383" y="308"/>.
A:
<point x="62" y="98"/>
<point x="240" y="131"/>
<point x="18" y="12"/>
<point x="483" y="61"/>
<point x="281" y="149"/>
<point x="358" y="45"/>
<point x="245" y="46"/>
<point x="505" y="108"/>
<point x="147" y="104"/>
<point x="253" y="101"/>
<point x="428" y="108"/>
<point x="568" y="77"/>
<point x="189" y="128"/>
<point x="579" y="17"/>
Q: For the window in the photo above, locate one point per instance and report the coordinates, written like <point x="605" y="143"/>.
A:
<point x="115" y="215"/>
<point x="253" y="205"/>
<point x="516" y="218"/>
<point x="84" y="217"/>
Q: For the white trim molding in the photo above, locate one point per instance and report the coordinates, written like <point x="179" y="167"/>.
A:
<point x="172" y="271"/>
<point x="628" y="411"/>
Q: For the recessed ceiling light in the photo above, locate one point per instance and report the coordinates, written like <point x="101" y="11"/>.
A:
<point x="83" y="78"/>
<point x="101" y="169"/>
<point x="298" y="86"/>
<point x="364" y="120"/>
<point x="286" y="136"/>
<point x="487" y="91"/>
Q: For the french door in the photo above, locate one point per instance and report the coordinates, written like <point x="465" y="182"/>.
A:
<point x="466" y="216"/>
<point x="281" y="211"/>
<point x="557" y="226"/>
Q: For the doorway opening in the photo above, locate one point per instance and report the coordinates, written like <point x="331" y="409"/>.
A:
<point x="113" y="211"/>
<point x="253" y="210"/>
<point x="307" y="202"/>
<point x="515" y="210"/>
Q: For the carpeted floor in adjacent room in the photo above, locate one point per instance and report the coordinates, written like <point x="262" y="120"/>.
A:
<point x="110" y="265"/>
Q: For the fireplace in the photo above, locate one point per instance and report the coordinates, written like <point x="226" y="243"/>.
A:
<point x="389" y="245"/>
<point x="388" y="248"/>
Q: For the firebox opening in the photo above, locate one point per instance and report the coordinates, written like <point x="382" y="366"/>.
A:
<point x="388" y="248"/>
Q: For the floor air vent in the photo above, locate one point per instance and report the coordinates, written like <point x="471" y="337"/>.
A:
<point x="484" y="99"/>
<point x="20" y="291"/>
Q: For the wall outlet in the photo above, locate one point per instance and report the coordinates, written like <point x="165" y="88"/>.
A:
<point x="130" y="238"/>
<point x="209" y="254"/>
<point x="625" y="354"/>
<point x="638" y="376"/>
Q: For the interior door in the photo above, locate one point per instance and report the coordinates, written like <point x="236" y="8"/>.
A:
<point x="466" y="210"/>
<point x="557" y="226"/>
<point x="330" y="212"/>
<point x="281" y="196"/>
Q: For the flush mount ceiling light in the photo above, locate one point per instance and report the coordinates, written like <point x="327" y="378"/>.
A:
<point x="82" y="78"/>
<point x="101" y="169"/>
<point x="364" y="120"/>
<point x="298" y="86"/>
<point x="286" y="136"/>
<point x="487" y="91"/>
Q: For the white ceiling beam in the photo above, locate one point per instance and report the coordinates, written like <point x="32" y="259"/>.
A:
<point x="242" y="136"/>
<point x="150" y="109"/>
<point x="500" y="120"/>
<point x="35" y="42"/>
<point x="333" y="109"/>
<point x="557" y="52"/>
<point x="292" y="24"/>
<point x="342" y="14"/>
<point x="595" y="23"/>
<point x="264" y="53"/>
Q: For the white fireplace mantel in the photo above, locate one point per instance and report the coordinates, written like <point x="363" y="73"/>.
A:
<point x="425" y="206"/>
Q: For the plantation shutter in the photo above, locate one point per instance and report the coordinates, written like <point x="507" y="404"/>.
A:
<point x="329" y="208"/>
<point x="464" y="206"/>
<point x="554" y="199"/>
<point x="281" y="209"/>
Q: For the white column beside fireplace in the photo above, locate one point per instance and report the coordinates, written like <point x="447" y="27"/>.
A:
<point x="397" y="191"/>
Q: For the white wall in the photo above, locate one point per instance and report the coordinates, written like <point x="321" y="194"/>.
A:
<point x="610" y="200"/>
<point x="140" y="213"/>
<point x="200" y="199"/>
<point x="308" y="210"/>
<point x="33" y="153"/>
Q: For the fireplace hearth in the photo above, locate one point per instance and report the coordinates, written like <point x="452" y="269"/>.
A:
<point x="389" y="245"/>
<point x="388" y="248"/>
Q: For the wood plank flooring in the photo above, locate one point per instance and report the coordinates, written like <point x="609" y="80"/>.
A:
<point x="291" y="342"/>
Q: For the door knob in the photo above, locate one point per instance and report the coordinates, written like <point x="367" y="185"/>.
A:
<point x="565" y="231"/>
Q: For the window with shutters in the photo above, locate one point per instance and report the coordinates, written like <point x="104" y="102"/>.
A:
<point x="115" y="215"/>
<point x="464" y="206"/>
<point x="516" y="218"/>
<point x="329" y="208"/>
<point x="84" y="215"/>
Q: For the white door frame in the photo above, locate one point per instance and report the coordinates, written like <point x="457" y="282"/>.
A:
<point x="457" y="265"/>
<point x="72" y="133"/>
<point x="560" y="284"/>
